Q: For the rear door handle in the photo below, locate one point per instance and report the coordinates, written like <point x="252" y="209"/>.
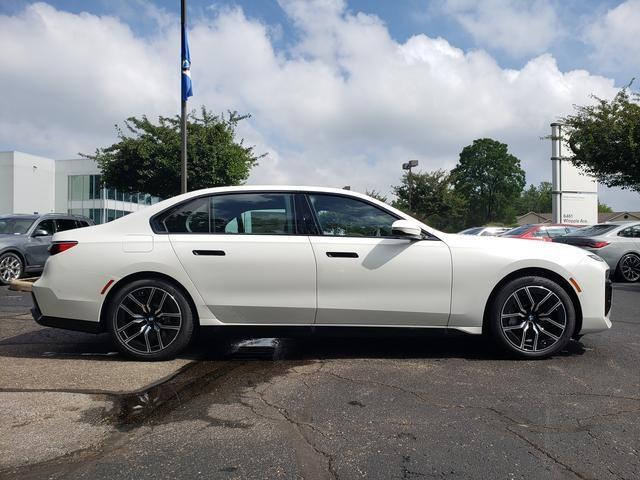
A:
<point x="209" y="253"/>
<point x="342" y="254"/>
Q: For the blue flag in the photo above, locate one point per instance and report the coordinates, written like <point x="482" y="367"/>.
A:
<point x="187" y="89"/>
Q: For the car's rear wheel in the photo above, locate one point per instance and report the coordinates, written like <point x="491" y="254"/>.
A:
<point x="150" y="319"/>
<point x="629" y="267"/>
<point x="532" y="317"/>
<point x="11" y="267"/>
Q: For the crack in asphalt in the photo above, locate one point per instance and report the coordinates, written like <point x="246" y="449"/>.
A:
<point x="544" y="452"/>
<point x="598" y="395"/>
<point x="301" y="427"/>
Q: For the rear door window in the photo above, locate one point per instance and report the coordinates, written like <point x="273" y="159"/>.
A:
<point x="630" y="232"/>
<point x="241" y="213"/>
<point x="63" y="224"/>
<point x="253" y="213"/>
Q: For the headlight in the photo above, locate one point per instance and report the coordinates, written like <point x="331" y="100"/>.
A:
<point x="596" y="257"/>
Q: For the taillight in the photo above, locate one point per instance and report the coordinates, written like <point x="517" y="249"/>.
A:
<point x="59" y="247"/>
<point x="597" y="244"/>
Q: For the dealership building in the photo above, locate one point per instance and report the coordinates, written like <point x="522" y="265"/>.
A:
<point x="34" y="184"/>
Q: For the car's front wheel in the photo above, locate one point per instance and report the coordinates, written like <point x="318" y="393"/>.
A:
<point x="150" y="319"/>
<point x="11" y="268"/>
<point x="629" y="267"/>
<point x="532" y="317"/>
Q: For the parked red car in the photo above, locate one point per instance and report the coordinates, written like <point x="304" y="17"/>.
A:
<point x="542" y="231"/>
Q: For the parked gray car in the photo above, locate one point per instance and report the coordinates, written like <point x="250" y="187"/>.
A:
<point x="25" y="240"/>
<point x="617" y="243"/>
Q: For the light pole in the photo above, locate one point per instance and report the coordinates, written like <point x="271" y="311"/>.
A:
<point x="408" y="166"/>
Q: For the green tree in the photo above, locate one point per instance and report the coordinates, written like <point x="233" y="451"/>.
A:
<point x="605" y="139"/>
<point x="433" y="200"/>
<point x="146" y="157"/>
<point x="490" y="179"/>
<point x="604" y="208"/>
<point x="535" y="199"/>
<point x="377" y="195"/>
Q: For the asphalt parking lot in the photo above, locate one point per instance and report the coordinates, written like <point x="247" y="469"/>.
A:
<point x="436" y="407"/>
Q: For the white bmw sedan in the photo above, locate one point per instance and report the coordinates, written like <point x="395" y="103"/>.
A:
<point x="304" y="256"/>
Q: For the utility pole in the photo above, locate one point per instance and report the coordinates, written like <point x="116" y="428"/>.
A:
<point x="408" y="166"/>
<point x="186" y="64"/>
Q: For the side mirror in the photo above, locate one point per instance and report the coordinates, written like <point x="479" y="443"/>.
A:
<point x="40" y="233"/>
<point x="406" y="228"/>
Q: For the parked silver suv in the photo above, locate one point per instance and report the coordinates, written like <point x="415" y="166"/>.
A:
<point x="25" y="240"/>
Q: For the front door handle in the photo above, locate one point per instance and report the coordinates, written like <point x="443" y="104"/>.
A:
<point x="210" y="253"/>
<point x="342" y="254"/>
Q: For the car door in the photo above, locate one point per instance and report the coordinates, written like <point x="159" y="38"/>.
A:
<point x="245" y="256"/>
<point x="37" y="246"/>
<point x="367" y="276"/>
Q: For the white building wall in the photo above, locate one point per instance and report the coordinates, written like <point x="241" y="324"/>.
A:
<point x="6" y="182"/>
<point x="33" y="183"/>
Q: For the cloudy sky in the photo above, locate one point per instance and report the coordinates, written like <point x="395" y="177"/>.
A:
<point x="341" y="92"/>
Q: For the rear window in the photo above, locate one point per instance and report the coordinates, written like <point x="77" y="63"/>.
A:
<point x="471" y="231"/>
<point x="594" y="230"/>
<point x="556" y="231"/>
<point x="517" y="231"/>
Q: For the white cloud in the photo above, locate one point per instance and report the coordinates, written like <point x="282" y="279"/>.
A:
<point x="347" y="105"/>
<point x="514" y="26"/>
<point x="615" y="38"/>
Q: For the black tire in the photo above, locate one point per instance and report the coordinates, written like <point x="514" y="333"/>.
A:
<point x="521" y="324"/>
<point x="628" y="267"/>
<point x="150" y="319"/>
<point x="10" y="263"/>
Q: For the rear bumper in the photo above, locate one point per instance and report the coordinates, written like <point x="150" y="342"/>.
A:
<point x="64" y="323"/>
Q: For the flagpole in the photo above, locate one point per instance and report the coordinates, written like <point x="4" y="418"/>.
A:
<point x="183" y="113"/>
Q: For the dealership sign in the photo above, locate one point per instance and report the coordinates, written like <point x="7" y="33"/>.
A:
<point x="574" y="194"/>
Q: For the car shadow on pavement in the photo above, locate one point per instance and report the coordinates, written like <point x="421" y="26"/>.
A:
<point x="61" y="344"/>
<point x="329" y="347"/>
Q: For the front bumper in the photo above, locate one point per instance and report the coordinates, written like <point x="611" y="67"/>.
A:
<point x="64" y="323"/>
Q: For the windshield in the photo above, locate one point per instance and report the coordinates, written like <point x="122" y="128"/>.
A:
<point x="594" y="230"/>
<point x="15" y="225"/>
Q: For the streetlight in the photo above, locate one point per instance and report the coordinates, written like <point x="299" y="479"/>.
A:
<point x="408" y="166"/>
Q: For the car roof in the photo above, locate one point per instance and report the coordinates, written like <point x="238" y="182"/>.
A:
<point x="32" y="216"/>
<point x="21" y="215"/>
<point x="619" y="222"/>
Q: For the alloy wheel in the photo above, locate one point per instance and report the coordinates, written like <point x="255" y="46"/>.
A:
<point x="10" y="267"/>
<point x="148" y="320"/>
<point x="533" y="319"/>
<point x="630" y="267"/>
